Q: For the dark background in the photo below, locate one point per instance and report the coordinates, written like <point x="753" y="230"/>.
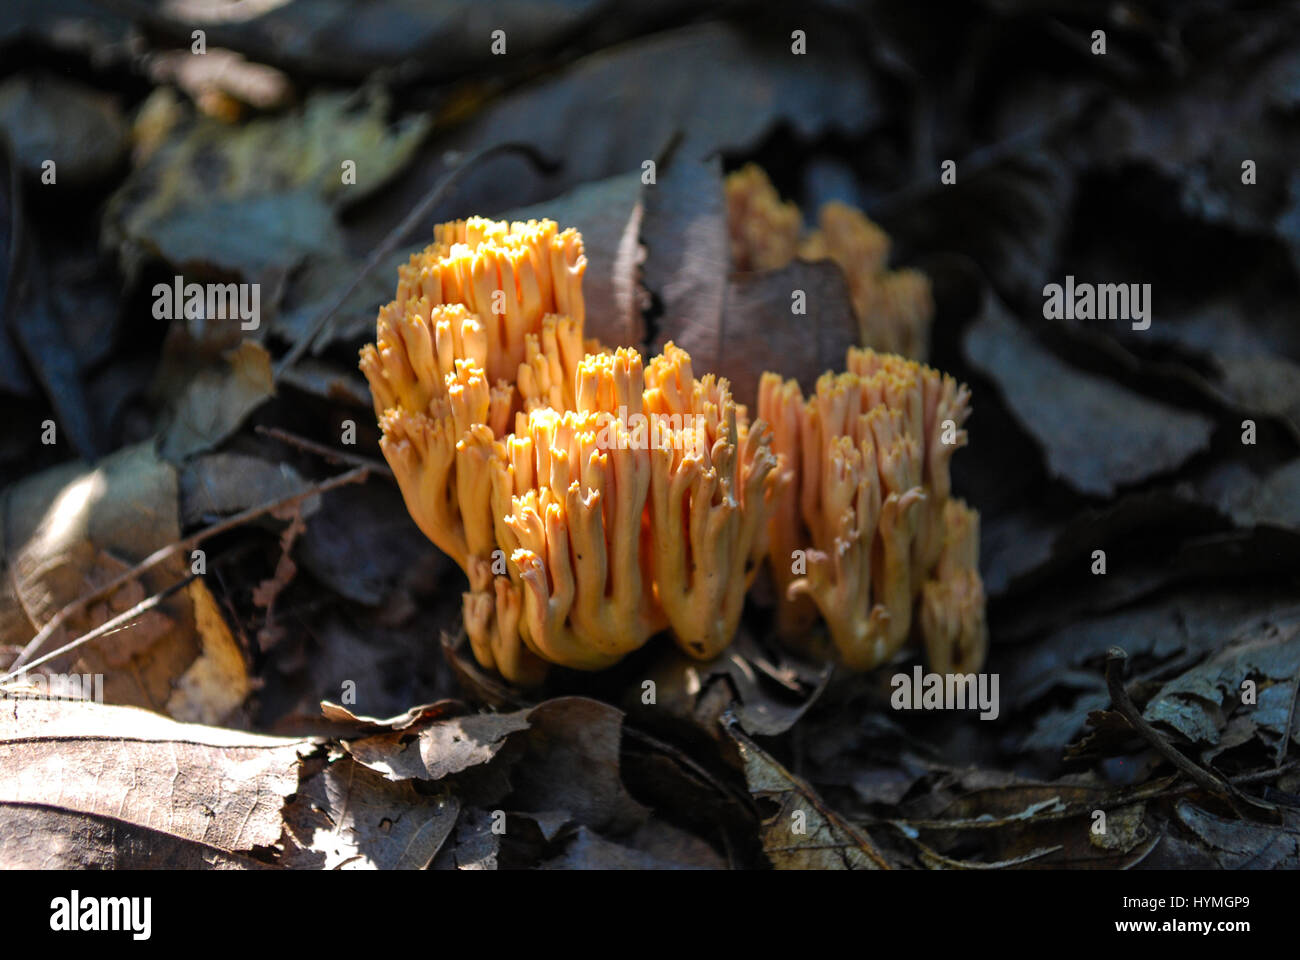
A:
<point x="1087" y="435"/>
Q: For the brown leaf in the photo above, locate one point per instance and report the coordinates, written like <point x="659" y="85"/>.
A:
<point x="361" y="543"/>
<point x="1017" y="821"/>
<point x="216" y="485"/>
<point x="474" y="845"/>
<point x="1005" y="215"/>
<point x="430" y="711"/>
<point x="688" y="257"/>
<point x="35" y="837"/>
<point x="1097" y="435"/>
<point x="1125" y="829"/>
<point x="1251" y="500"/>
<point x="350" y="40"/>
<point x="770" y="697"/>
<point x="1194" y="621"/>
<point x="351" y="652"/>
<point x="257" y="198"/>
<point x="1242" y="844"/>
<point x="330" y="381"/>
<point x="760" y="331"/>
<point x="349" y="818"/>
<point x="737" y="326"/>
<point x="216" y="401"/>
<point x="47" y="117"/>
<point x="478" y="684"/>
<point x="937" y="861"/>
<point x="803" y="833"/>
<point x="87" y="764"/>
<point x="571" y="763"/>
<point x="39" y="331"/>
<point x="433" y="750"/>
<point x="1199" y="702"/>
<point x="216" y="683"/>
<point x="70" y="528"/>
<point x="718" y="86"/>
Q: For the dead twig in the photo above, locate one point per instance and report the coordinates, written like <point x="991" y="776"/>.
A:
<point x="1115" y="660"/>
<point x="332" y="454"/>
<point x="1141" y="794"/>
<point x="108" y="626"/>
<point x="355" y="475"/>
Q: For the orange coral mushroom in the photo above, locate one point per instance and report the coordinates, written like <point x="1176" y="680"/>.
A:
<point x="593" y="502"/>
<point x="868" y="459"/>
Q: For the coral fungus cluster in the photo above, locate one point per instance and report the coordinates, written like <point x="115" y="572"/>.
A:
<point x="593" y="500"/>
<point x="590" y="500"/>
<point x="866" y="530"/>
<point x="894" y="308"/>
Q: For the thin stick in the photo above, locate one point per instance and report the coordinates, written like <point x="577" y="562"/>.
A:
<point x="357" y="474"/>
<point x="395" y="236"/>
<point x="329" y="453"/>
<point x="144" y="606"/>
<point x="1115" y="660"/>
<point x="1123" y="798"/>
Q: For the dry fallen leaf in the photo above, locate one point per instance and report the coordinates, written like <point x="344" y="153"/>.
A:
<point x="261" y="196"/>
<point x="1098" y="436"/>
<point x="1241" y="844"/>
<point x="215" y="402"/>
<point x="572" y="762"/>
<point x="797" y="321"/>
<point x="433" y="750"/>
<point x="803" y="833"/>
<point x="71" y="528"/>
<point x="111" y="779"/>
<point x="1199" y="702"/>
<point x="348" y="817"/>
<point x="50" y="118"/>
